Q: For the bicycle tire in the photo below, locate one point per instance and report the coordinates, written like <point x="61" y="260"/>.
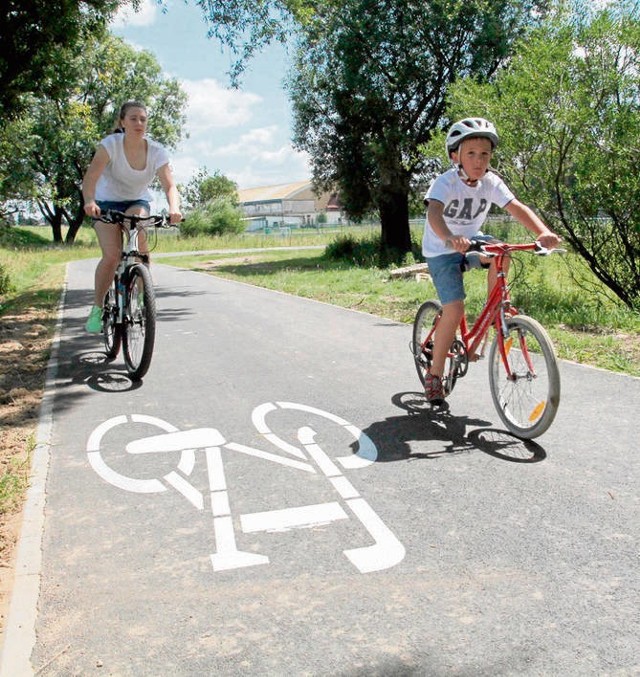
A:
<point x="527" y="402"/>
<point x="111" y="328"/>
<point x="423" y="323"/>
<point x="140" y="322"/>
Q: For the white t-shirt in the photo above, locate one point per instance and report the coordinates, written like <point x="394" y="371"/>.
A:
<point x="120" y="181"/>
<point x="465" y="207"/>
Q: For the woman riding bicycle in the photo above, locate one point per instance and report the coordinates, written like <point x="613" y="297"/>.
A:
<point x="118" y="178"/>
<point x="458" y="203"/>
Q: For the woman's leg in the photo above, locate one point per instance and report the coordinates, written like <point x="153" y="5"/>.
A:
<point x="110" y="240"/>
<point x="139" y="210"/>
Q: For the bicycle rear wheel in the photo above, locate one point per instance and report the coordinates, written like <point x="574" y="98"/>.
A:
<point x="140" y="322"/>
<point x="527" y="396"/>
<point x="111" y="329"/>
<point x="422" y="345"/>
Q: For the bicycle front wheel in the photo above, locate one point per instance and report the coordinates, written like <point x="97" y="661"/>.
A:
<point x="111" y="329"/>
<point x="140" y="322"/>
<point x="524" y="377"/>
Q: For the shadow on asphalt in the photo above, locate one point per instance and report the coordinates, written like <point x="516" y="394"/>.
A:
<point x="398" y="438"/>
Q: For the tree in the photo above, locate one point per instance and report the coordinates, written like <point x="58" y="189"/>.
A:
<point x="33" y="35"/>
<point x="369" y="87"/>
<point x="203" y="188"/>
<point x="59" y="134"/>
<point x="568" y="109"/>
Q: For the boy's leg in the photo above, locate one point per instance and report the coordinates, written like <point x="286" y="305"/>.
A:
<point x="447" y="326"/>
<point x="446" y="273"/>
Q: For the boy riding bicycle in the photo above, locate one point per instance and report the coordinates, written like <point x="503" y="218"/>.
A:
<point x="458" y="203"/>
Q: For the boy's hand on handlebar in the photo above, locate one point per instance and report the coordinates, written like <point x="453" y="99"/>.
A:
<point x="175" y="218"/>
<point x="549" y="240"/>
<point x="458" y="243"/>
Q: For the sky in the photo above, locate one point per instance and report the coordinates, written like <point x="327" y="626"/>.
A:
<point x="243" y="133"/>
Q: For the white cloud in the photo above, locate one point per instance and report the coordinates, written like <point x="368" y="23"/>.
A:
<point x="221" y="139"/>
<point x="213" y="105"/>
<point x="145" y="16"/>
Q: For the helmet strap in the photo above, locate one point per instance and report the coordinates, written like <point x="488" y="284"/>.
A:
<point x="464" y="176"/>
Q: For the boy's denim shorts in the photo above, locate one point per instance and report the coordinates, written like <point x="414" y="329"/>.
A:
<point x="123" y="205"/>
<point x="446" y="272"/>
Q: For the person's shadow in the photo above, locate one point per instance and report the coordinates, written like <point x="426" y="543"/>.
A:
<point x="422" y="422"/>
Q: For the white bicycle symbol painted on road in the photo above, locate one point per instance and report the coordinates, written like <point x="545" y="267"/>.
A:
<point x="386" y="551"/>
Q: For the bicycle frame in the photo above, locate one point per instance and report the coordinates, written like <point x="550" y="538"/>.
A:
<point x="130" y="252"/>
<point x="497" y="306"/>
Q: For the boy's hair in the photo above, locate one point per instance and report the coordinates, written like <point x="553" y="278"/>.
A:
<point x="470" y="128"/>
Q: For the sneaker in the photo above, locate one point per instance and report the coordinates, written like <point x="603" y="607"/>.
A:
<point x="94" y="321"/>
<point x="433" y="389"/>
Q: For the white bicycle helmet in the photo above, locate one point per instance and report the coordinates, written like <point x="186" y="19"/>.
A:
<point x="470" y="127"/>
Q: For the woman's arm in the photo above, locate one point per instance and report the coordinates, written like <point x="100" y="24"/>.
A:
<point x="94" y="171"/>
<point x="171" y="191"/>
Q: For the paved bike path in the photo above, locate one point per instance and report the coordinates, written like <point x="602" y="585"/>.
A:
<point x="195" y="525"/>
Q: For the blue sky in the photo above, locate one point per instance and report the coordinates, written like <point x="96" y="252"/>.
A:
<point x="244" y="133"/>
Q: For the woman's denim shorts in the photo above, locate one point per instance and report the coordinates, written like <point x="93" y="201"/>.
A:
<point x="123" y="205"/>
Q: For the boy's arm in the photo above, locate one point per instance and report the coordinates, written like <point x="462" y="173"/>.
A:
<point x="436" y="220"/>
<point x="531" y="221"/>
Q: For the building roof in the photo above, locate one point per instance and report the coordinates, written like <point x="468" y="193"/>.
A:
<point x="283" y="191"/>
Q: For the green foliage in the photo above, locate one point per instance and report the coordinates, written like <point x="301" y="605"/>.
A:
<point x="38" y="37"/>
<point x="568" y="109"/>
<point x="203" y="188"/>
<point x="219" y="216"/>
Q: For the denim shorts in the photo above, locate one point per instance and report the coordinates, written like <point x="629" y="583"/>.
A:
<point x="123" y="205"/>
<point x="446" y="273"/>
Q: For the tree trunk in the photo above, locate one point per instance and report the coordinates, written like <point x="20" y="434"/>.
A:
<point x="394" y="219"/>
<point x="74" y="224"/>
<point x="53" y="218"/>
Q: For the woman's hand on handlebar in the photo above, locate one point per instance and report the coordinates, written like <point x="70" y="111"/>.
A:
<point x="91" y="209"/>
<point x="175" y="218"/>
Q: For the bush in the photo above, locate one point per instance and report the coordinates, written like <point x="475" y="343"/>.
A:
<point x="218" y="217"/>
<point x="368" y="252"/>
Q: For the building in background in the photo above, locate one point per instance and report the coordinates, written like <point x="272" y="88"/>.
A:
<point x="291" y="204"/>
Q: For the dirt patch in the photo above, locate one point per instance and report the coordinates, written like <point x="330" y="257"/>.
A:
<point x="25" y="342"/>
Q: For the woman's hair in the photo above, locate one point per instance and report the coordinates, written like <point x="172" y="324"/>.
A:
<point x="123" y="112"/>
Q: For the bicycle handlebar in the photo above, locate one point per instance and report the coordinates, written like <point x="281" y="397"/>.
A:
<point x="492" y="249"/>
<point x="119" y="218"/>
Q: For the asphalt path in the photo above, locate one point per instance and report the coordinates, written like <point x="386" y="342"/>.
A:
<point x="275" y="498"/>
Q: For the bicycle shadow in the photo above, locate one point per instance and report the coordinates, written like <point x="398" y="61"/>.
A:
<point x="100" y="373"/>
<point x="398" y="438"/>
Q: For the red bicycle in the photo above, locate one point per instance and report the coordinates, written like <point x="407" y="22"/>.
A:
<point x="523" y="369"/>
